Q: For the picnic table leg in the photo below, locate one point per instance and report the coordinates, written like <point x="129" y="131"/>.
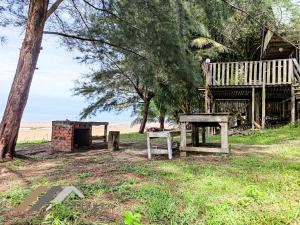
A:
<point x="149" y="146"/>
<point x="105" y="133"/>
<point x="195" y="134"/>
<point x="182" y="138"/>
<point x="224" y="137"/>
<point x="169" y="141"/>
<point x="203" y="135"/>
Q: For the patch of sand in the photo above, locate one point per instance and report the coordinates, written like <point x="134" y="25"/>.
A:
<point x="42" y="131"/>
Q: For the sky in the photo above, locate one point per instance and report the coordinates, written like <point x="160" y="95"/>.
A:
<point x="50" y="95"/>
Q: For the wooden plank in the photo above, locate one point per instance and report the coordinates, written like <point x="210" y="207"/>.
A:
<point x="290" y="71"/>
<point x="285" y="78"/>
<point x="195" y="135"/>
<point x="242" y="74"/>
<point x="223" y="73"/>
<point x="268" y="72"/>
<point x="255" y="73"/>
<point x="250" y="73"/>
<point x="214" y="74"/>
<point x="260" y="66"/>
<point x="203" y="118"/>
<point x="203" y="149"/>
<point x="232" y="80"/>
<point x="224" y="137"/>
<point x="219" y="74"/>
<point x="279" y="62"/>
<point x="263" y="117"/>
<point x="227" y="74"/>
<point x="274" y="74"/>
<point x="246" y="76"/>
<point x="253" y="108"/>
<point x="293" y="106"/>
<point x="183" y="135"/>
<point x="148" y="146"/>
<point x="236" y="80"/>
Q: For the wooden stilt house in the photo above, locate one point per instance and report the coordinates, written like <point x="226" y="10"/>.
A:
<point x="262" y="93"/>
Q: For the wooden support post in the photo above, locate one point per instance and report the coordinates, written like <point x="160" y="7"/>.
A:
<point x="195" y="135"/>
<point x="203" y="135"/>
<point x="105" y="133"/>
<point x="169" y="143"/>
<point x="149" y="146"/>
<point x="283" y="110"/>
<point x="263" y="99"/>
<point x="293" y="106"/>
<point x="113" y="140"/>
<point x="182" y="138"/>
<point x="224" y="137"/>
<point x="253" y="108"/>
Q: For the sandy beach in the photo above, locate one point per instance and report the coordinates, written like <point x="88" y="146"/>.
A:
<point x="42" y="130"/>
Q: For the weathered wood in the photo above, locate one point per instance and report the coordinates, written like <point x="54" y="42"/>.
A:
<point x="251" y="73"/>
<point x="293" y="106"/>
<point x="183" y="134"/>
<point x="253" y="108"/>
<point x="228" y="74"/>
<point x="203" y="135"/>
<point x="224" y="137"/>
<point x="279" y="71"/>
<point x="195" y="134"/>
<point x="268" y="72"/>
<point x="284" y="72"/>
<point x="113" y="140"/>
<point x="204" y="117"/>
<point x="290" y="71"/>
<point x="203" y="149"/>
<point x="105" y="132"/>
<point x="263" y="99"/>
<point x="236" y="74"/>
<point x="274" y="74"/>
<point x="223" y="74"/>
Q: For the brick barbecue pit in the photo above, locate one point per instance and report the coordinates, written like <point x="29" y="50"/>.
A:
<point x="69" y="135"/>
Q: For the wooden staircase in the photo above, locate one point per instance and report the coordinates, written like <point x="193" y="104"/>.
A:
<point x="296" y="84"/>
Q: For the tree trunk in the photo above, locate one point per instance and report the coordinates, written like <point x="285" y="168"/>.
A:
<point x="19" y="91"/>
<point x="145" y="116"/>
<point x="161" y="122"/>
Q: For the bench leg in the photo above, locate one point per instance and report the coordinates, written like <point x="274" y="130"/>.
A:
<point x="169" y="142"/>
<point x="149" y="146"/>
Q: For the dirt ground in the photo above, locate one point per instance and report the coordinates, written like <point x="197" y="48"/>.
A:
<point x="40" y="164"/>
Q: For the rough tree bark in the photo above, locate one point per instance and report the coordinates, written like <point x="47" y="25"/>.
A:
<point x="161" y="122"/>
<point x="145" y="116"/>
<point x="18" y="96"/>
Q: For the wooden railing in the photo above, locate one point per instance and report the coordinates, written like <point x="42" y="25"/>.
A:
<point x="268" y="72"/>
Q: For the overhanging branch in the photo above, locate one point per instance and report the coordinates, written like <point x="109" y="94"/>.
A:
<point x="102" y="41"/>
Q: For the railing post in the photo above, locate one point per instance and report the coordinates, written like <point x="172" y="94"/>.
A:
<point x="263" y="103"/>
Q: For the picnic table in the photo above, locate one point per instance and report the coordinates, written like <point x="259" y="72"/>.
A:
<point x="204" y="120"/>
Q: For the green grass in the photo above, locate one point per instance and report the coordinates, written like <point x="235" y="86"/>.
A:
<point x="261" y="137"/>
<point x="253" y="188"/>
<point x="264" y="137"/>
<point x="30" y="143"/>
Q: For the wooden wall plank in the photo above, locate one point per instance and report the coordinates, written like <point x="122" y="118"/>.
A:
<point x="236" y="80"/>
<point x="268" y="72"/>
<point x="214" y="74"/>
<point x="250" y="73"/>
<point x="227" y="73"/>
<point x="246" y="77"/>
<point x="279" y="63"/>
<point x="219" y="74"/>
<point x="255" y="73"/>
<point x="284" y="80"/>
<point x="260" y="66"/>
<point x="290" y="71"/>
<point x="274" y="74"/>
<point x="223" y="73"/>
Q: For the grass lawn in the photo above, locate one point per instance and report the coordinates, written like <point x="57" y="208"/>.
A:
<point x="259" y="137"/>
<point x="250" y="187"/>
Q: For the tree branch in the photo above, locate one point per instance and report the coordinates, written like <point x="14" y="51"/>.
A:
<point x="53" y="7"/>
<point x="102" y="41"/>
<point x="259" y="22"/>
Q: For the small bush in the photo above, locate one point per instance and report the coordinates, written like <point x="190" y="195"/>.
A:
<point x="58" y="214"/>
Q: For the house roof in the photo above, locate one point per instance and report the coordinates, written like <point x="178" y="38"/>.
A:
<point x="275" y="47"/>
